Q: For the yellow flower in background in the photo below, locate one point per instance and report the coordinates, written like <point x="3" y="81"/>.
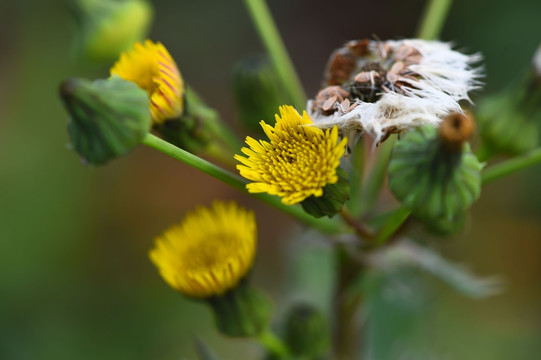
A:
<point x="150" y="66"/>
<point x="209" y="252"/>
<point x="297" y="163"/>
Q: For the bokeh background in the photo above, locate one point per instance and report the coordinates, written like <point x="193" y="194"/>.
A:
<point x="75" y="280"/>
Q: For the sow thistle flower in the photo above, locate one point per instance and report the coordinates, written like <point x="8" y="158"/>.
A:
<point x="207" y="256"/>
<point x="385" y="87"/>
<point x="150" y="66"/>
<point x="297" y="163"/>
<point x="208" y="252"/>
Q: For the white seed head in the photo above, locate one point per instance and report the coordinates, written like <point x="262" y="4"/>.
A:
<point x="425" y="80"/>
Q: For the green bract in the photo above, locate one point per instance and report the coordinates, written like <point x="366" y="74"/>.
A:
<point x="333" y="199"/>
<point x="510" y="122"/>
<point x="436" y="184"/>
<point x="108" y="118"/>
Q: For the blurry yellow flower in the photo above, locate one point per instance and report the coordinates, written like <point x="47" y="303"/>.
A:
<point x="150" y="66"/>
<point x="209" y="252"/>
<point x="297" y="163"/>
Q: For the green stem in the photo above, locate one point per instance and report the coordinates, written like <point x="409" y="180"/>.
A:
<point x="273" y="344"/>
<point x="374" y="183"/>
<point x="275" y="47"/>
<point x="433" y="19"/>
<point x="510" y="166"/>
<point x="392" y="224"/>
<point x="324" y="225"/>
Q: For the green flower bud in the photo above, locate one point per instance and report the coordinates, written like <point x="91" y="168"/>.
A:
<point x="435" y="181"/>
<point x="108" y="118"/>
<point x="333" y="199"/>
<point x="109" y="27"/>
<point x="510" y="121"/>
<point x="306" y="333"/>
<point x="241" y="311"/>
<point x="257" y="91"/>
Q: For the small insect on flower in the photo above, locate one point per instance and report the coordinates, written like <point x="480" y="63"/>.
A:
<point x="393" y="86"/>
<point x="152" y="68"/>
<point x="298" y="162"/>
<point x="209" y="252"/>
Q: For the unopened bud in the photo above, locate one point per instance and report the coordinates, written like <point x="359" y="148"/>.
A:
<point x="257" y="91"/>
<point x="306" y="334"/>
<point x="108" y="118"/>
<point x="108" y="27"/>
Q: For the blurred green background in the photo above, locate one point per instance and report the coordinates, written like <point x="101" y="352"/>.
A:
<point x="75" y="280"/>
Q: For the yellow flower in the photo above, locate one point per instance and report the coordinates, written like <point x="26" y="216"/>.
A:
<point x="150" y="66"/>
<point x="297" y="163"/>
<point x="209" y="252"/>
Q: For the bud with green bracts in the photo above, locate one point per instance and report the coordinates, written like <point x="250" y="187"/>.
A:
<point x="306" y="332"/>
<point x="240" y="312"/>
<point x="108" y="118"/>
<point x="333" y="199"/>
<point x="257" y="91"/>
<point x="510" y="121"/>
<point x="436" y="182"/>
<point x="108" y="27"/>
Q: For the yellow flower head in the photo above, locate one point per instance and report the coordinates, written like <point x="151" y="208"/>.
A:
<point x="150" y="66"/>
<point x="297" y="163"/>
<point x="209" y="252"/>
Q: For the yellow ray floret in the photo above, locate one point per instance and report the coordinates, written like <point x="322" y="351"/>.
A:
<point x="298" y="161"/>
<point x="209" y="252"/>
<point x="150" y="66"/>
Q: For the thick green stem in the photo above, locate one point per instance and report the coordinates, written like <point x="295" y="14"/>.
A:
<point x="273" y="344"/>
<point x="510" y="166"/>
<point x="324" y="225"/>
<point x="275" y="47"/>
<point x="433" y="19"/>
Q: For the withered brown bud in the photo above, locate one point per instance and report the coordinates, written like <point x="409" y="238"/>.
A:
<point x="455" y="129"/>
<point x="327" y="97"/>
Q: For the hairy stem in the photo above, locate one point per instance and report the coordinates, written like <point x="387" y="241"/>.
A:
<point x="433" y="19"/>
<point x="324" y="225"/>
<point x="275" y="47"/>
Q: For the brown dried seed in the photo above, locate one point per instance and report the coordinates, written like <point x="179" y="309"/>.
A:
<point x="391" y="77"/>
<point x="359" y="48"/>
<point x="397" y="67"/>
<point x="329" y="103"/>
<point x="413" y="59"/>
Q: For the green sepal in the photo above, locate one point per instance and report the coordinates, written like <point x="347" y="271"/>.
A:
<point x="510" y="121"/>
<point x="106" y="28"/>
<point x="241" y="312"/>
<point x="307" y="333"/>
<point x="108" y="118"/>
<point x="257" y="90"/>
<point x="438" y="185"/>
<point x="194" y="130"/>
<point x="333" y="198"/>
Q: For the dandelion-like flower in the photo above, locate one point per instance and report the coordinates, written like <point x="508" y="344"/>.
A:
<point x="209" y="252"/>
<point x="298" y="162"/>
<point x="387" y="87"/>
<point x="150" y="66"/>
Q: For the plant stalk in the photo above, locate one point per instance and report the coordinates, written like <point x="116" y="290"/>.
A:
<point x="433" y="19"/>
<point x="274" y="345"/>
<point x="270" y="36"/>
<point x="324" y="225"/>
<point x="510" y="166"/>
